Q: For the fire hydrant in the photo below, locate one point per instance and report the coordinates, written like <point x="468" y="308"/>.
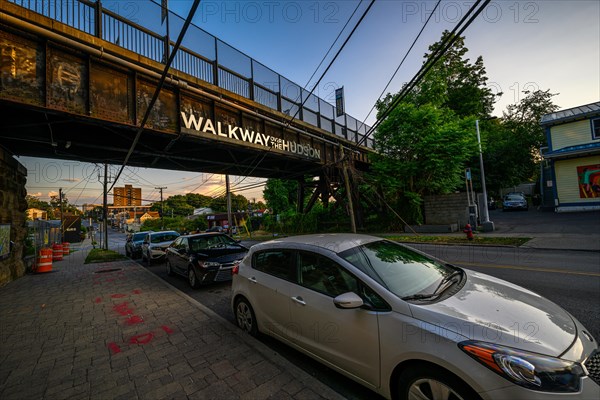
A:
<point x="468" y="231"/>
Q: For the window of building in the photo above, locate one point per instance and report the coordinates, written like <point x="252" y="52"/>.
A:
<point x="596" y="128"/>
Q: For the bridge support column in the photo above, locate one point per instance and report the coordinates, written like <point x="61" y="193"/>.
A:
<point x="300" y="200"/>
<point x="324" y="189"/>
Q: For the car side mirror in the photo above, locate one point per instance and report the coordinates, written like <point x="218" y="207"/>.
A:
<point x="348" y="300"/>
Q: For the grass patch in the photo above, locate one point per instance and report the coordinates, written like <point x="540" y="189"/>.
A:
<point x="101" y="255"/>
<point x="477" y="240"/>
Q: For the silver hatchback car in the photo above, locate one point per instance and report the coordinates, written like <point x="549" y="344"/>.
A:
<point x="409" y="326"/>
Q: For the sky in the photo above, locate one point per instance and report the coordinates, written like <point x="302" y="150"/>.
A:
<point x="525" y="45"/>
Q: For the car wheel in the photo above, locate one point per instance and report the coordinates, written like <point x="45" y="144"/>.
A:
<point x="169" y="269"/>
<point x="427" y="382"/>
<point x="245" y="317"/>
<point x="192" y="278"/>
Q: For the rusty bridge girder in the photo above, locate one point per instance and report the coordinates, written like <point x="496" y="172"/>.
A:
<point x="66" y="94"/>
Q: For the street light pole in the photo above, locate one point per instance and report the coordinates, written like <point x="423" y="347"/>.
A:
<point x="487" y="225"/>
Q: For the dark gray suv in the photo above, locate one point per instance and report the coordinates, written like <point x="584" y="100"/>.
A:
<point x="133" y="246"/>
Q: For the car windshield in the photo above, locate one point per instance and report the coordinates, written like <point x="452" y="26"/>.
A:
<point x="403" y="271"/>
<point x="139" y="236"/>
<point x="164" y="237"/>
<point x="200" y="243"/>
<point x="513" y="197"/>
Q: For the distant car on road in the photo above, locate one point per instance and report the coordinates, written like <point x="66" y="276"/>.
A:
<point x="410" y="326"/>
<point x="133" y="245"/>
<point x="216" y="228"/>
<point x="155" y="244"/>
<point x="514" y="201"/>
<point x="204" y="258"/>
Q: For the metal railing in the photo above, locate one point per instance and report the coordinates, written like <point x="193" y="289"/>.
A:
<point x="202" y="55"/>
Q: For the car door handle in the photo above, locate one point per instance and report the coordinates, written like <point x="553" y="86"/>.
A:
<point x="299" y="300"/>
<point x="253" y="279"/>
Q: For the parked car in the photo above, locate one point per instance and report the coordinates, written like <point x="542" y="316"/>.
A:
<point x="155" y="244"/>
<point x="514" y="201"/>
<point x="215" y="228"/>
<point x="204" y="258"/>
<point x="133" y="245"/>
<point x="408" y="325"/>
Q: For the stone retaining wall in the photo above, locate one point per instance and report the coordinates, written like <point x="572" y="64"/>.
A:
<point x="13" y="204"/>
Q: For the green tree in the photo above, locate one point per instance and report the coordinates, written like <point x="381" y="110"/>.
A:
<point x="67" y="208"/>
<point x="281" y="195"/>
<point x="174" y="205"/>
<point x="425" y="143"/>
<point x="512" y="144"/>
<point x="34" y="202"/>
<point x="455" y="82"/>
<point x="198" y="200"/>
<point x="238" y="202"/>
<point x="422" y="150"/>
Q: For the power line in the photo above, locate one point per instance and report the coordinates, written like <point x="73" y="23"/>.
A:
<point x="288" y="123"/>
<point x="401" y="62"/>
<point x="158" y="87"/>
<point x="431" y="61"/>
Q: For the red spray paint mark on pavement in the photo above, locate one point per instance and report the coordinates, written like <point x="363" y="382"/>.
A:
<point x="118" y="295"/>
<point x="110" y="280"/>
<point x="114" y="348"/>
<point x="134" y="319"/>
<point x="144" y="338"/>
<point x="98" y="300"/>
<point x="137" y="291"/>
<point x="167" y="329"/>
<point x="123" y="309"/>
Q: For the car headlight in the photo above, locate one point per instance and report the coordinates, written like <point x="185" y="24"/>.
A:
<point x="530" y="370"/>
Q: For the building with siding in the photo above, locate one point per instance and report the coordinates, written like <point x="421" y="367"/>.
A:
<point x="571" y="179"/>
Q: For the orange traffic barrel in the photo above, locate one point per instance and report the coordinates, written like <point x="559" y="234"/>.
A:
<point x="66" y="248"/>
<point x="45" y="260"/>
<point x="57" y="252"/>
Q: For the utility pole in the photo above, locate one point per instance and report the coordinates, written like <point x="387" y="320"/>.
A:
<point x="62" y="220"/>
<point x="162" y="221"/>
<point x="105" y="208"/>
<point x="230" y="227"/>
<point x="487" y="225"/>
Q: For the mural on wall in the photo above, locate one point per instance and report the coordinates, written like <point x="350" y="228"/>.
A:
<point x="589" y="181"/>
<point x="67" y="82"/>
<point x="110" y="93"/>
<point x="21" y="70"/>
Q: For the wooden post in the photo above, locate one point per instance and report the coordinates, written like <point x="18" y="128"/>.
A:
<point x="348" y="192"/>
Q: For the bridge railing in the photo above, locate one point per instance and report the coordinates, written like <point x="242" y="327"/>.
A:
<point x="137" y="26"/>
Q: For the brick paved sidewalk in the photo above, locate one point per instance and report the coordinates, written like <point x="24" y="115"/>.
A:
<point x="114" y="330"/>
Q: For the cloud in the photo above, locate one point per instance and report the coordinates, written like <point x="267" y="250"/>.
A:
<point x="52" y="193"/>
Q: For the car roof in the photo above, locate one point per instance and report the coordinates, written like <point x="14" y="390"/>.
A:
<point x="336" y="242"/>
<point x="205" y="234"/>
<point x="154" y="233"/>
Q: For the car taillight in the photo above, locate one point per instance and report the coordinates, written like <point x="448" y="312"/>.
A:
<point x="235" y="270"/>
